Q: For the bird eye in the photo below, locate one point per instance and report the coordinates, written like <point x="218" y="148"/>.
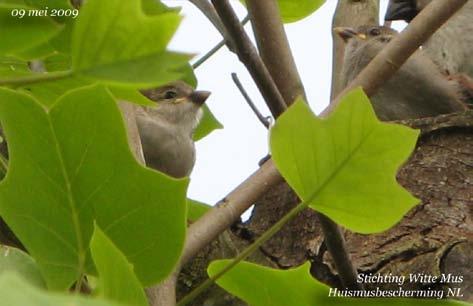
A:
<point x="375" y="32"/>
<point x="170" y="94"/>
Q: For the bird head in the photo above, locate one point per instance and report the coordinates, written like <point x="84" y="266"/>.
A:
<point x="177" y="103"/>
<point x="367" y="38"/>
<point x="362" y="44"/>
<point x="365" y="33"/>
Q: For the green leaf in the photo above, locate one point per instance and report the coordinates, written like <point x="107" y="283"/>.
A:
<point x="196" y="209"/>
<point x="117" y="281"/>
<point x="207" y="125"/>
<point x="125" y="46"/>
<point x="156" y="7"/>
<point x="21" y="33"/>
<point x="79" y="168"/>
<point x="15" y="260"/>
<point x="295" y="10"/>
<point x="15" y="291"/>
<point x="345" y="166"/>
<point x="263" y="286"/>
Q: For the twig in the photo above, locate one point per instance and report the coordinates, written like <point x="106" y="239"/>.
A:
<point x="208" y="10"/>
<point x="261" y="118"/>
<point x="248" y="55"/>
<point x="217" y="47"/>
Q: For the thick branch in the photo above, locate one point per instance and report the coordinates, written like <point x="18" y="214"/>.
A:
<point x="274" y="48"/>
<point x="229" y="209"/>
<point x="349" y="14"/>
<point x="249" y="57"/>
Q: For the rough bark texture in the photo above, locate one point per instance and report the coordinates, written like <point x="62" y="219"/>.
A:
<point x="349" y="13"/>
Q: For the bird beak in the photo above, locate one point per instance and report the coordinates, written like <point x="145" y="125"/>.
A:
<point x="346" y="33"/>
<point x="401" y="10"/>
<point x="199" y="96"/>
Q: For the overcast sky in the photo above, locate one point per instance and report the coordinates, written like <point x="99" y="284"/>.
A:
<point x="228" y="156"/>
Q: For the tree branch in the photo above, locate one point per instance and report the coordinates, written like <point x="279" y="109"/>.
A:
<point x="249" y="57"/>
<point x="229" y="209"/>
<point x="274" y="48"/>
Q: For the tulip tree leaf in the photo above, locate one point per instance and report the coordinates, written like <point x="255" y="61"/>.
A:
<point x="295" y="10"/>
<point x="117" y="281"/>
<point x="125" y="46"/>
<point x="208" y="124"/>
<point x="263" y="286"/>
<point x="26" y="32"/>
<point x="15" y="291"/>
<point x="79" y="168"/>
<point x="15" y="260"/>
<point x="345" y="166"/>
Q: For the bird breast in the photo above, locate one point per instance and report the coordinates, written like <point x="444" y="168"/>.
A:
<point x="167" y="147"/>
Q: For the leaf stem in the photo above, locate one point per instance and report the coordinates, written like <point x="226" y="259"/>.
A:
<point x="36" y="78"/>
<point x="266" y="235"/>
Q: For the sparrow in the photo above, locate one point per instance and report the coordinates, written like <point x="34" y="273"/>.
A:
<point x="166" y="128"/>
<point x="450" y="46"/>
<point x="418" y="89"/>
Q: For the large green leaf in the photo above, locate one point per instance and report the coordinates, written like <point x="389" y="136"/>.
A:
<point x="345" y="166"/>
<point x="15" y="260"/>
<point x="117" y="281"/>
<point x="295" y="10"/>
<point x="15" y="291"/>
<point x="263" y="286"/>
<point x="123" y="45"/>
<point x="21" y="33"/>
<point x="71" y="165"/>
